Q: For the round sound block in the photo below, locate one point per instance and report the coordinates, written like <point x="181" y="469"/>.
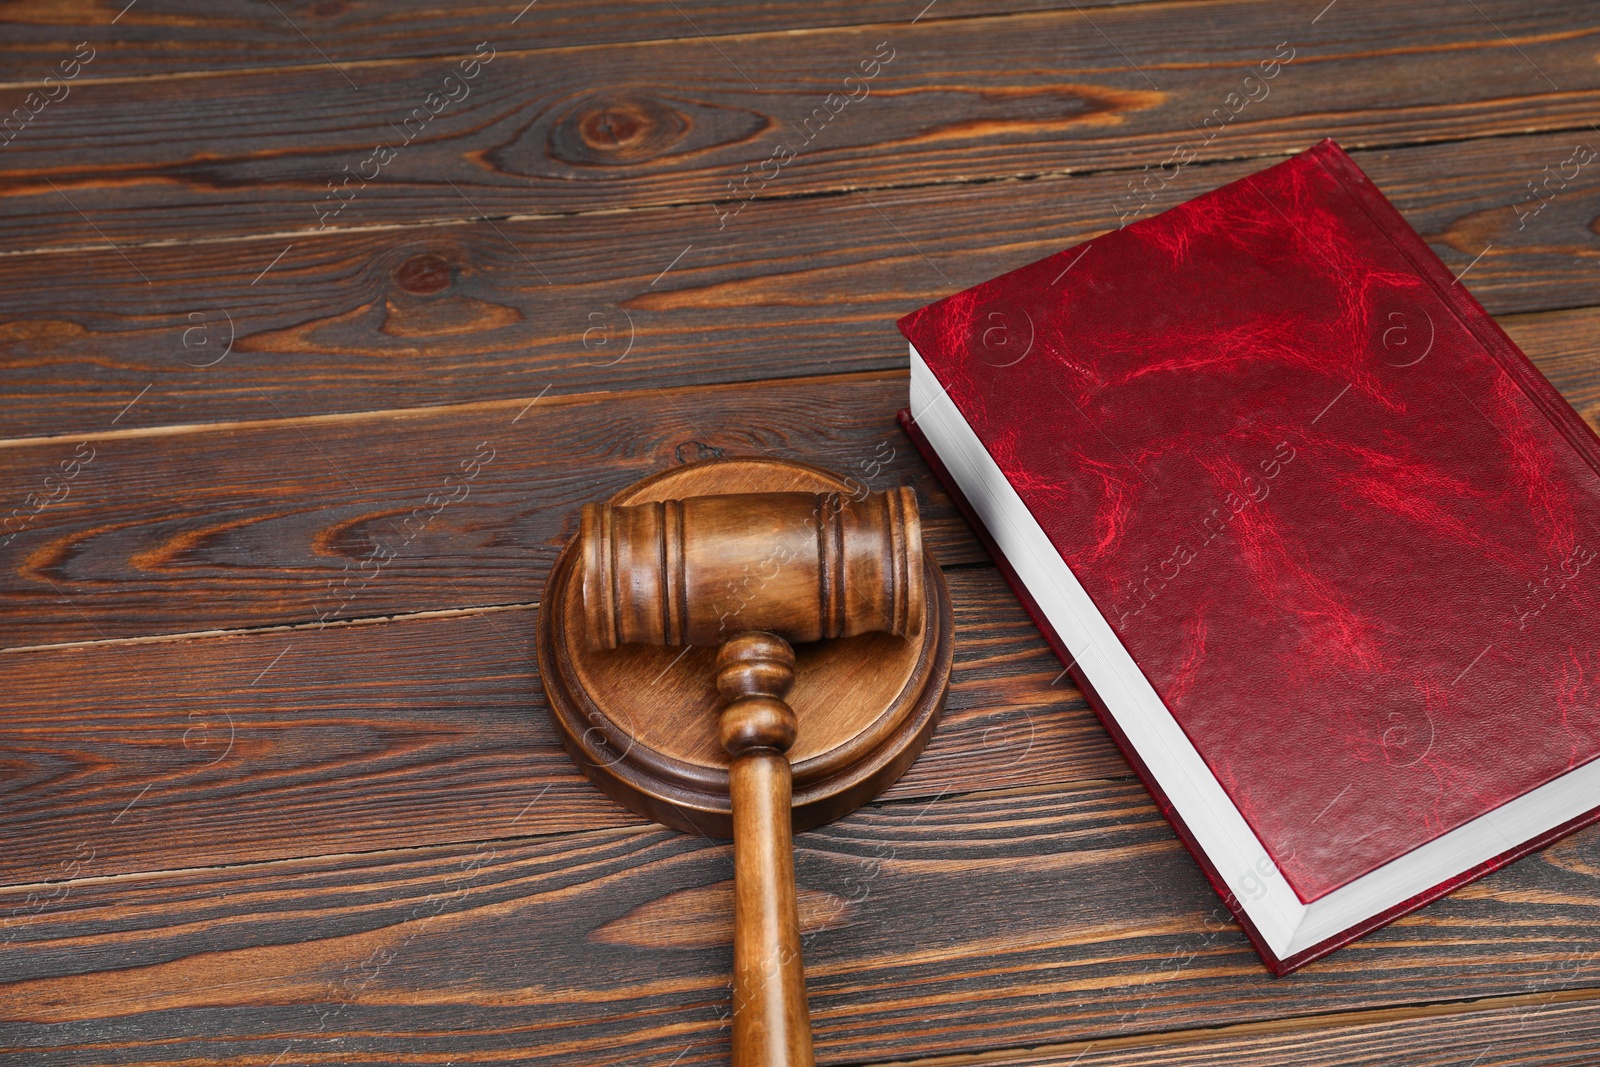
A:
<point x="641" y="721"/>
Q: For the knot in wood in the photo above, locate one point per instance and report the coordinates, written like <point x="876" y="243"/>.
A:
<point x="425" y="274"/>
<point x="617" y="129"/>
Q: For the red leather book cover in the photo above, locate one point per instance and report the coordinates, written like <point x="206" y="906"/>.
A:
<point x="1279" y="965"/>
<point x="1345" y="529"/>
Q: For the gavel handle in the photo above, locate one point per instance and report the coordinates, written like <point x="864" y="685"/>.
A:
<point x="771" y="1023"/>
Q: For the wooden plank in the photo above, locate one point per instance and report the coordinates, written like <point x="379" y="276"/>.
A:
<point x="332" y="327"/>
<point x="208" y="751"/>
<point x="294" y="521"/>
<point x="1552" y="1029"/>
<point x="991" y="920"/>
<point x="590" y="129"/>
<point x="288" y="521"/>
<point x="157" y="37"/>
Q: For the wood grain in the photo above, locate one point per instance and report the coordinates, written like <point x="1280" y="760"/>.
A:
<point x="595" y="129"/>
<point x="1564" y="344"/>
<point x="307" y="521"/>
<point x="405" y="318"/>
<point x="1551" y="1029"/>
<point x="208" y="751"/>
<point x="163" y="37"/>
<point x="994" y="920"/>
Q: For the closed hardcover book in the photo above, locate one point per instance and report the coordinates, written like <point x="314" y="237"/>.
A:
<point x="1314" y="537"/>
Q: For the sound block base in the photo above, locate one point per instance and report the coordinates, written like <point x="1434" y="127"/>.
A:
<point x="641" y="721"/>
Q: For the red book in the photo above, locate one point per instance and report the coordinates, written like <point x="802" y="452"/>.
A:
<point x="1315" y="538"/>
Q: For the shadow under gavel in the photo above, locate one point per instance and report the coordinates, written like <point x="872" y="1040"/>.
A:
<point x="752" y="573"/>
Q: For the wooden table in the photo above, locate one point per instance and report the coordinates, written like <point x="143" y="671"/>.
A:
<point x="320" y="320"/>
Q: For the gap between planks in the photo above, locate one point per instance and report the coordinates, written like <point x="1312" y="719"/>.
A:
<point x="242" y="631"/>
<point x="339" y="624"/>
<point x="466" y="407"/>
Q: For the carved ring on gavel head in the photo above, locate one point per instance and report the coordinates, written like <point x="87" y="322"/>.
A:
<point x="762" y="738"/>
<point x="804" y="566"/>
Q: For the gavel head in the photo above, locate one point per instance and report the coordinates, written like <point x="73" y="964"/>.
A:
<point x="804" y="566"/>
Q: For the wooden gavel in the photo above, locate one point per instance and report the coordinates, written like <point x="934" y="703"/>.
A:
<point x="752" y="573"/>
